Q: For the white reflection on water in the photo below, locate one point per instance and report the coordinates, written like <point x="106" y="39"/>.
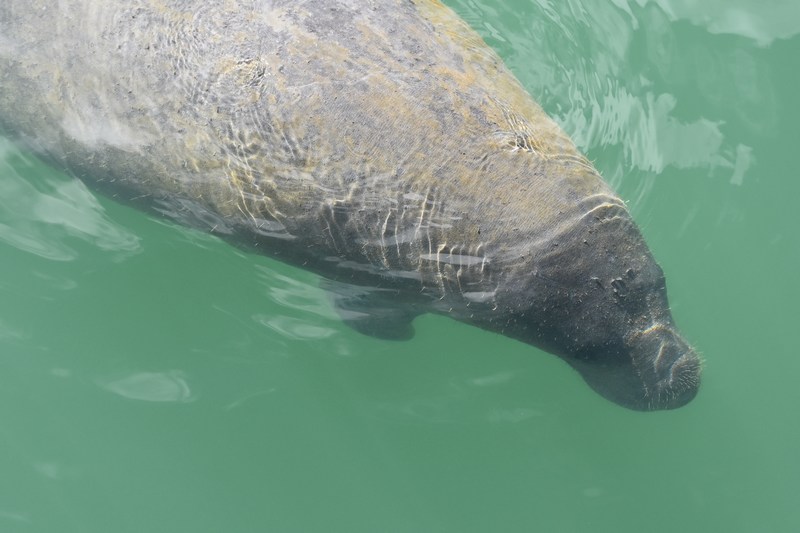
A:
<point x="461" y="401"/>
<point x="494" y="379"/>
<point x="55" y="282"/>
<point x="9" y="332"/>
<point x="54" y="470"/>
<point x="61" y="372"/>
<point x="14" y="517"/>
<point x="297" y="294"/>
<point x="39" y="213"/>
<point x="249" y="397"/>
<point x="452" y="409"/>
<point x="295" y="328"/>
<point x="170" y="386"/>
<point x="651" y="138"/>
<point x="625" y="76"/>
<point x="618" y="106"/>
<point x="296" y="299"/>
<point x="761" y="21"/>
<point x="512" y="416"/>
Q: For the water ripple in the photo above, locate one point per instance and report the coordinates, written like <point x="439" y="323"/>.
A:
<point x="762" y="22"/>
<point x="626" y="77"/>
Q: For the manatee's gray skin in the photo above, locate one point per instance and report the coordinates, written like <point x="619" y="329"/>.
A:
<point x="379" y="143"/>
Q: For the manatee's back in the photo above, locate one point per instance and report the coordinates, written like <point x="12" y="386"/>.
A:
<point x="370" y="130"/>
<point x="141" y="97"/>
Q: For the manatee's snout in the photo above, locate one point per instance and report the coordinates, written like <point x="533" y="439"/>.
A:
<point x="668" y="366"/>
<point x="652" y="369"/>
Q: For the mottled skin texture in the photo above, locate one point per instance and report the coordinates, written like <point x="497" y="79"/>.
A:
<point x="380" y="143"/>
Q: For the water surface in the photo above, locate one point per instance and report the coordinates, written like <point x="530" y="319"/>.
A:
<point x="155" y="379"/>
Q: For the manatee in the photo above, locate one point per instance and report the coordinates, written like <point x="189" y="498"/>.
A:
<point x="381" y="144"/>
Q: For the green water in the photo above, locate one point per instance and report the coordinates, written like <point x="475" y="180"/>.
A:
<point x="154" y="379"/>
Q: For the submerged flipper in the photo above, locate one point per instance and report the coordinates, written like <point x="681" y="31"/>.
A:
<point x="379" y="313"/>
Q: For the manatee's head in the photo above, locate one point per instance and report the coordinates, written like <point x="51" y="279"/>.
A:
<point x="596" y="297"/>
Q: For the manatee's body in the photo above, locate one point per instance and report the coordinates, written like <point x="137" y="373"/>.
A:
<point x="380" y="143"/>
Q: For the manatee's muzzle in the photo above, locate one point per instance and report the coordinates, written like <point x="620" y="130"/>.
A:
<point x="653" y="369"/>
<point x="668" y="366"/>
